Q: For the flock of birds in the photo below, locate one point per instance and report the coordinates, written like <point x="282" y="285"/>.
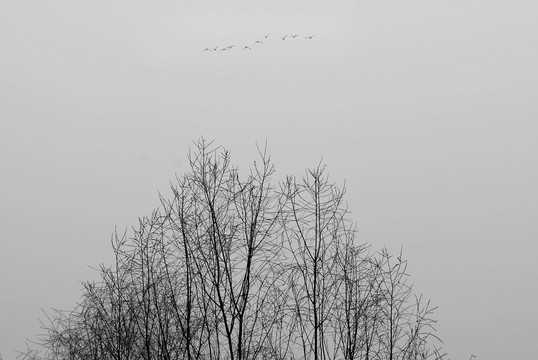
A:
<point x="256" y="43"/>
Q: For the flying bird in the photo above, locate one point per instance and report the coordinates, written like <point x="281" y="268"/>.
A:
<point x="309" y="37"/>
<point x="207" y="49"/>
<point x="266" y="36"/>
<point x="258" y="42"/>
<point x="284" y="38"/>
<point x="294" y="36"/>
<point x="246" y="47"/>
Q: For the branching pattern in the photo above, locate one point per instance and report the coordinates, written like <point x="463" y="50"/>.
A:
<point x="240" y="268"/>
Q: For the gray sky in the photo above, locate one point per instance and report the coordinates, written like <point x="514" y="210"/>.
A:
<point x="426" y="108"/>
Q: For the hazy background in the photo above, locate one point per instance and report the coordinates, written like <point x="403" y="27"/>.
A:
<point x="428" y="110"/>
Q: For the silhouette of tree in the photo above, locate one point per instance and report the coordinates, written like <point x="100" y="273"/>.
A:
<point x="242" y="267"/>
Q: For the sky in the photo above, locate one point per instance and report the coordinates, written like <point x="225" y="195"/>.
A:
<point x="426" y="109"/>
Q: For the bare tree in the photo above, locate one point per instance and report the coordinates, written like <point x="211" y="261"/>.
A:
<point x="224" y="226"/>
<point x="314" y="227"/>
<point x="242" y="267"/>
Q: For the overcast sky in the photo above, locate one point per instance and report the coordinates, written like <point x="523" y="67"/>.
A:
<point x="427" y="109"/>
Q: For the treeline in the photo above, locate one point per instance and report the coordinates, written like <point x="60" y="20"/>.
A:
<point x="245" y="268"/>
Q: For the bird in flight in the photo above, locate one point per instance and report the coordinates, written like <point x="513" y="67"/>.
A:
<point x="249" y="47"/>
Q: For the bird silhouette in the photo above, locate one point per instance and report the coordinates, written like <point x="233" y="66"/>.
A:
<point x="246" y="47"/>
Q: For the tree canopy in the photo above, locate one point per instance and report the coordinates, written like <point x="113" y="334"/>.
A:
<point x="235" y="266"/>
